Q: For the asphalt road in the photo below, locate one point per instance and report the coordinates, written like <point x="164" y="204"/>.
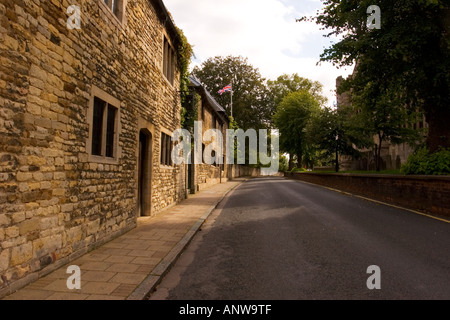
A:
<point x="280" y="239"/>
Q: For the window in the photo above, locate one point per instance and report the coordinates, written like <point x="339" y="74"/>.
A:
<point x="104" y="129"/>
<point x="166" y="149"/>
<point x="117" y="7"/>
<point x="203" y="152"/>
<point x="110" y="131"/>
<point x="97" y="126"/>
<point x="168" y="61"/>
<point x="216" y="161"/>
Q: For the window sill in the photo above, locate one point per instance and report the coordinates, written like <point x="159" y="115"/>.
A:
<point x="101" y="159"/>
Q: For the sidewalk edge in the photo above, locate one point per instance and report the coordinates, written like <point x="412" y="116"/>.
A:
<point x="149" y="284"/>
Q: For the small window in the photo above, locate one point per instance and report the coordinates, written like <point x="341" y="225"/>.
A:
<point x="110" y="130"/>
<point x="203" y="152"/>
<point x="216" y="161"/>
<point x="97" y="126"/>
<point x="166" y="149"/>
<point x="113" y="5"/>
<point x="168" y="61"/>
<point x="117" y="7"/>
<point x="104" y="130"/>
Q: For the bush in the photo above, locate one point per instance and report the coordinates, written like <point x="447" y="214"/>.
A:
<point x="424" y="162"/>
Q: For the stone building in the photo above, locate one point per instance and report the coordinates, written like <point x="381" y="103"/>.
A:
<point x="211" y="115"/>
<point x="89" y="96"/>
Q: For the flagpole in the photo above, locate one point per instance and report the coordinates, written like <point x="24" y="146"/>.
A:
<point x="231" y="97"/>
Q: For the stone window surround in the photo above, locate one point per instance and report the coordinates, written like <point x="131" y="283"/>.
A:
<point x="169" y="133"/>
<point x="99" y="93"/>
<point x="165" y="38"/>
<point x="120" y="19"/>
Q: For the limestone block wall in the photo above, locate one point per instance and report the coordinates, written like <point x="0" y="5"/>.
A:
<point x="239" y="170"/>
<point x="208" y="175"/>
<point x="56" y="199"/>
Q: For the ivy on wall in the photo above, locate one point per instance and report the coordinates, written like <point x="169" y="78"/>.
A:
<point x="190" y="108"/>
<point x="184" y="54"/>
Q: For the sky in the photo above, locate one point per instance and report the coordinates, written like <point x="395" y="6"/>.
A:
<point x="264" y="31"/>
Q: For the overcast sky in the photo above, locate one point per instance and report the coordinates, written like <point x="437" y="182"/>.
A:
<point x="264" y="31"/>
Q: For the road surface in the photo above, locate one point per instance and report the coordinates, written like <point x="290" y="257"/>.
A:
<point x="280" y="239"/>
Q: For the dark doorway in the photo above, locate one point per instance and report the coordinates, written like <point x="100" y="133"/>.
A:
<point x="144" y="173"/>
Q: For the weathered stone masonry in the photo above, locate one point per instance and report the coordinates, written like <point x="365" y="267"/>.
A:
<point x="211" y="116"/>
<point x="57" y="199"/>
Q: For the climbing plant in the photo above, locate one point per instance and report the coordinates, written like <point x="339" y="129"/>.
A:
<point x="184" y="54"/>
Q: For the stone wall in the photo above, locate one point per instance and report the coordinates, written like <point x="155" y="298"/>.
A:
<point x="205" y="175"/>
<point x="56" y="200"/>
<point x="239" y="170"/>
<point x="208" y="175"/>
<point x="429" y="194"/>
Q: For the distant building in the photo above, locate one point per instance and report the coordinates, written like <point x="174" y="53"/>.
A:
<point x="212" y="116"/>
<point x="392" y="155"/>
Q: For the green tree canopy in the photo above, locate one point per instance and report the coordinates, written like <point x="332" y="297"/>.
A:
<point x="407" y="58"/>
<point x="292" y="118"/>
<point x="334" y="133"/>
<point x="286" y="84"/>
<point x="251" y="107"/>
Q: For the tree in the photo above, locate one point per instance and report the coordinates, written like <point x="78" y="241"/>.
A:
<point x="292" y="119"/>
<point x="332" y="135"/>
<point x="286" y="84"/>
<point x="381" y="115"/>
<point x="250" y="94"/>
<point x="407" y="58"/>
<point x="283" y="86"/>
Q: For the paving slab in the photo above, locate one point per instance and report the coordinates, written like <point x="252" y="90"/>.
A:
<point x="130" y="266"/>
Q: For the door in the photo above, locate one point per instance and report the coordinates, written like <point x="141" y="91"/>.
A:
<point x="144" y="173"/>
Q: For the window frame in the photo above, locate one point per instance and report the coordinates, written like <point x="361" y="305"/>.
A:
<point x="116" y="8"/>
<point x="165" y="150"/>
<point x="113" y="104"/>
<point x="168" y="66"/>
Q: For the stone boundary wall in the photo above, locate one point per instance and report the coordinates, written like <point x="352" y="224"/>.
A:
<point x="429" y="194"/>
<point x="208" y="175"/>
<point x="239" y="170"/>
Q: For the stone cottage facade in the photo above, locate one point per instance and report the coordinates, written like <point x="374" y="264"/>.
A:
<point x="211" y="115"/>
<point x="89" y="96"/>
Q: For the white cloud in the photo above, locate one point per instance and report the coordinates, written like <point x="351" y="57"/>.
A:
<point x="264" y="31"/>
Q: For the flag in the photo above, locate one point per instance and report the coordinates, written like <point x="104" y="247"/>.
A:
<point x="225" y="89"/>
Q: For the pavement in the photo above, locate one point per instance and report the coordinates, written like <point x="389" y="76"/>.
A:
<point x="132" y="265"/>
